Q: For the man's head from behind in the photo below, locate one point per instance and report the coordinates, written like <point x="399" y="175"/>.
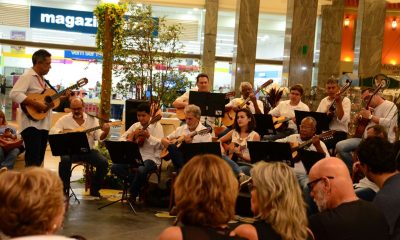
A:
<point x="330" y="183"/>
<point x="377" y="156"/>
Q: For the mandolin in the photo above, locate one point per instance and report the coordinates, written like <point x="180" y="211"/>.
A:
<point x="323" y="136"/>
<point x="229" y="117"/>
<point x="136" y="135"/>
<point x="178" y="141"/>
<point x="47" y="97"/>
<point x="363" y="122"/>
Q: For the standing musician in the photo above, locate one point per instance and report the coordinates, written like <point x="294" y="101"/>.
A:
<point x="286" y="109"/>
<point x="34" y="133"/>
<point x="187" y="131"/>
<point x="75" y="120"/>
<point x="202" y="85"/>
<point x="381" y="112"/>
<point x="149" y="142"/>
<point x="255" y="106"/>
<point x="340" y="112"/>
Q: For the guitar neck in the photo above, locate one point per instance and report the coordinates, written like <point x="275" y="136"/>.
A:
<point x="57" y="95"/>
<point x="92" y="129"/>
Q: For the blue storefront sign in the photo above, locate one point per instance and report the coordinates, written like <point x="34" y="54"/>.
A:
<point x="63" y="20"/>
<point x="82" y="55"/>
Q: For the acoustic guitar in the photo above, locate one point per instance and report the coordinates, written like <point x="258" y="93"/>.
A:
<point x="88" y="130"/>
<point x="229" y="117"/>
<point x="135" y="135"/>
<point x="180" y="114"/>
<point x="280" y="123"/>
<point x="178" y="141"/>
<point x="295" y="146"/>
<point x="47" y="97"/>
<point x="332" y="107"/>
<point x="363" y="122"/>
<point x="8" y="144"/>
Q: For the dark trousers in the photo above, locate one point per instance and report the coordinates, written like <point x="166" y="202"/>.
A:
<point x="93" y="157"/>
<point x="176" y="157"/>
<point x="35" y="141"/>
<point x="337" y="137"/>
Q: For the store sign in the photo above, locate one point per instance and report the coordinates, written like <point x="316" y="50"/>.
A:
<point x="63" y="20"/>
<point x="82" y="55"/>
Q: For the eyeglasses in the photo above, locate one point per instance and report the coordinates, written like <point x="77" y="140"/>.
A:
<point x="312" y="184"/>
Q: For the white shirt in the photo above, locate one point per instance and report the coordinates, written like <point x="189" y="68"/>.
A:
<point x="387" y="113"/>
<point x="336" y="124"/>
<point x="285" y="109"/>
<point x="237" y="101"/>
<point x="295" y="138"/>
<point x="152" y="146"/>
<point x="184" y="130"/>
<point x="30" y="82"/>
<point x="243" y="142"/>
<point x="67" y="122"/>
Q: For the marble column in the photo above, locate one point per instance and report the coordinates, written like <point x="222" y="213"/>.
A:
<point x="210" y="39"/>
<point x="331" y="41"/>
<point x="298" y="54"/>
<point x="369" y="37"/>
<point x="244" y="58"/>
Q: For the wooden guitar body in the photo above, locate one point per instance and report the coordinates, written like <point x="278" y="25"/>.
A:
<point x="44" y="97"/>
<point x="362" y="125"/>
<point x="280" y="123"/>
<point x="229" y="118"/>
<point x="8" y="144"/>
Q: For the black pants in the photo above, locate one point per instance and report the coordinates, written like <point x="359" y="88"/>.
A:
<point x="337" y="137"/>
<point x="35" y="141"/>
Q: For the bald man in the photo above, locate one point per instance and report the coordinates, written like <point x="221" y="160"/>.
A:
<point x="342" y="215"/>
<point x="77" y="118"/>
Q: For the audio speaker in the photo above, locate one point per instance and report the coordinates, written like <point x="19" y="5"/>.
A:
<point x="131" y="106"/>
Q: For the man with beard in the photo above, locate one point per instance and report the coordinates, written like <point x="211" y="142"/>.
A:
<point x="342" y="215"/>
<point x="77" y="119"/>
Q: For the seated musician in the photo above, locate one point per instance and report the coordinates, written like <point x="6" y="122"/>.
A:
<point x="202" y="85"/>
<point x="149" y="142"/>
<point x="286" y="109"/>
<point x="7" y="157"/>
<point x="340" y="112"/>
<point x="75" y="120"/>
<point x="189" y="134"/>
<point x="243" y="131"/>
<point x="381" y="112"/>
<point x="255" y="106"/>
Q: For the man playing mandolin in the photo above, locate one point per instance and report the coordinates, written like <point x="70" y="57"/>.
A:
<point x="34" y="133"/>
<point x="380" y="111"/>
<point x="77" y="120"/>
<point x="339" y="109"/>
<point x="147" y="133"/>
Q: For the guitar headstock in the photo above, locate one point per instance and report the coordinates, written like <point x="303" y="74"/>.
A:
<point x="116" y="123"/>
<point x="327" y="135"/>
<point x="266" y="84"/>
<point x="82" y="82"/>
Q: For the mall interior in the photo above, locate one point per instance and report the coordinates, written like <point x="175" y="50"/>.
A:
<point x="289" y="41"/>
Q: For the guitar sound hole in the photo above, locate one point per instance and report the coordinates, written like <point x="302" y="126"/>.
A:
<point x="48" y="99"/>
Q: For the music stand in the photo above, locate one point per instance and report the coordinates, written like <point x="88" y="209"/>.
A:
<point x="264" y="124"/>
<point x="193" y="149"/>
<point x="270" y="152"/>
<point x="69" y="144"/>
<point x="309" y="158"/>
<point x="124" y="152"/>
<point x="322" y="120"/>
<point x="211" y="104"/>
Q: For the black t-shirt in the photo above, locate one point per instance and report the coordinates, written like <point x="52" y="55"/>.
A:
<point x="353" y="220"/>
<point x="205" y="233"/>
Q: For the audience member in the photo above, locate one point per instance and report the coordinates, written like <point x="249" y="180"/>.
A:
<point x="8" y="134"/>
<point x="377" y="158"/>
<point x="275" y="196"/>
<point x="342" y="215"/>
<point x="205" y="196"/>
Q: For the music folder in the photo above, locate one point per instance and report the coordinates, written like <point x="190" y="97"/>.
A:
<point x="264" y="124"/>
<point x="210" y="104"/>
<point x="270" y="152"/>
<point x="309" y="158"/>
<point x="322" y="120"/>
<point x="124" y="152"/>
<point x="69" y="143"/>
<point x="189" y="150"/>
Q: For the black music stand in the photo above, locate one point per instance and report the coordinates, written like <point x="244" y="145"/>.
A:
<point x="264" y="124"/>
<point x="322" y="120"/>
<point x="69" y="144"/>
<point x="210" y="104"/>
<point x="193" y="149"/>
<point x="124" y="152"/>
<point x="270" y="152"/>
<point x="309" y="158"/>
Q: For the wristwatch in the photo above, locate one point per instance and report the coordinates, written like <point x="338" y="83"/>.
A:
<point x="370" y="117"/>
